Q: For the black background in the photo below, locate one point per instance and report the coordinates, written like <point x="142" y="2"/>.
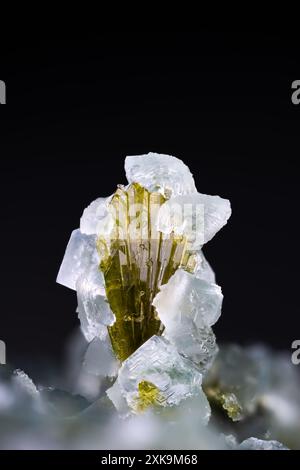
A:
<point x="221" y="101"/>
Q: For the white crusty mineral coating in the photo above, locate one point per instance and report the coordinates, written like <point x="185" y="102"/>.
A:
<point x="25" y="383"/>
<point x="260" y="444"/>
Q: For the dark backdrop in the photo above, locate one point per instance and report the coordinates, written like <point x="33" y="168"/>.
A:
<point x="221" y="101"/>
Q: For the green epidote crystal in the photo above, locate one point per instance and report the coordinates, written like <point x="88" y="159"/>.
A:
<point x="227" y="400"/>
<point x="136" y="261"/>
<point x="148" y="395"/>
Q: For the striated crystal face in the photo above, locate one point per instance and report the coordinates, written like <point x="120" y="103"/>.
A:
<point x="155" y="374"/>
<point x="136" y="260"/>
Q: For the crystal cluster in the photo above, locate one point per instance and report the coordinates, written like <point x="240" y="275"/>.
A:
<point x="143" y="373"/>
<point x="147" y="298"/>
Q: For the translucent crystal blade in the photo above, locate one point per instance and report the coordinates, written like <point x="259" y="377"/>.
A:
<point x="93" y="310"/>
<point x="158" y="172"/>
<point x="135" y="262"/>
<point x="155" y="373"/>
<point x="80" y="254"/>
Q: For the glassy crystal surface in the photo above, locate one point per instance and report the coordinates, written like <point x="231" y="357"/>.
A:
<point x="163" y="173"/>
<point x="135" y="262"/>
<point x="186" y="298"/>
<point x="203" y="269"/>
<point x="93" y="216"/>
<point x="155" y="372"/>
<point x="197" y="344"/>
<point x="197" y="216"/>
<point x="93" y="309"/>
<point x="80" y="254"/>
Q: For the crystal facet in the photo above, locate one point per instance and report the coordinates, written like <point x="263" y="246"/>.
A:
<point x="80" y="254"/>
<point x="93" y="216"/>
<point x="186" y="298"/>
<point x="197" y="216"/>
<point x="203" y="269"/>
<point x="93" y="310"/>
<point x="158" y="172"/>
<point x="170" y="377"/>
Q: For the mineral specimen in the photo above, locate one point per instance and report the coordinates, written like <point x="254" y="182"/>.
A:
<point x="143" y="285"/>
<point x="142" y="371"/>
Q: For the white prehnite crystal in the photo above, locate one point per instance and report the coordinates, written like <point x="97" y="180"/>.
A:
<point x="99" y="358"/>
<point x="24" y="383"/>
<point x="159" y="172"/>
<point x="114" y="393"/>
<point x="197" y="216"/>
<point x="93" y="310"/>
<point x="80" y="254"/>
<point x="93" y="215"/>
<point x="186" y="298"/>
<point x="203" y="269"/>
<point x="187" y="307"/>
<point x="197" y="344"/>
<point x="157" y="362"/>
<point x="259" y="444"/>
